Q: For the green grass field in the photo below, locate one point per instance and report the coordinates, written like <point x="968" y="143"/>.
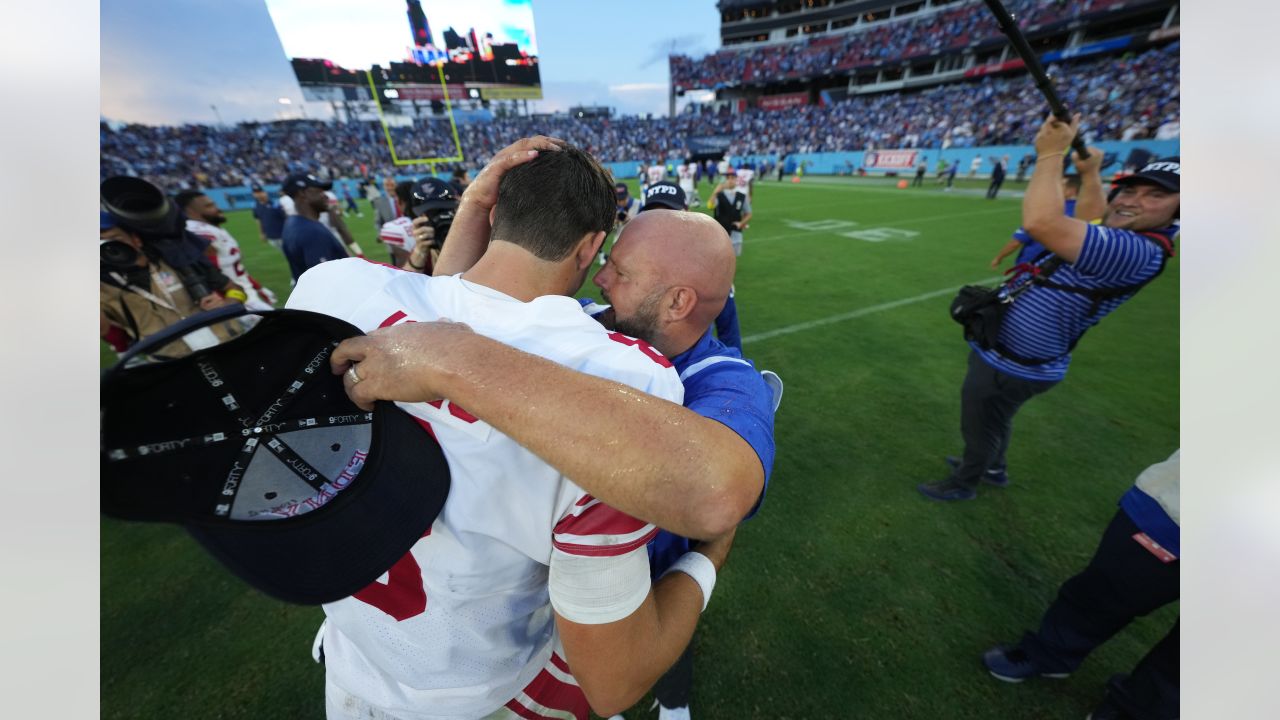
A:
<point x="849" y="595"/>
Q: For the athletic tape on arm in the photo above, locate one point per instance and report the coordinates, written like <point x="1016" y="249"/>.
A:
<point x="600" y="589"/>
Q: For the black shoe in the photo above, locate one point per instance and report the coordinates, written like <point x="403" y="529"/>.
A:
<point x="946" y="491"/>
<point x="1012" y="665"/>
<point x="999" y="478"/>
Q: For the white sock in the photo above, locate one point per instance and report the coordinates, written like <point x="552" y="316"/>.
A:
<point x="680" y="713"/>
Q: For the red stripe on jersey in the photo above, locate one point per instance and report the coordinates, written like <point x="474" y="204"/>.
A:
<point x="599" y="519"/>
<point x="604" y="550"/>
<point x="549" y="692"/>
<point x="396" y="317"/>
<point x="524" y="712"/>
<point x="585" y="499"/>
<point x="560" y="664"/>
<point x="461" y="414"/>
<point x="427" y="426"/>
<point x="649" y="351"/>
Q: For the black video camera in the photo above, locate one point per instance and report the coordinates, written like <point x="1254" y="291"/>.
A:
<point x="143" y="209"/>
<point x="438" y="202"/>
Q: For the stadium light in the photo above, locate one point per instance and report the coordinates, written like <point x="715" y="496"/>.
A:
<point x="285" y="101"/>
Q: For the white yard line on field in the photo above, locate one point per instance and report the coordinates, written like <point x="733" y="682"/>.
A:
<point x="860" y="312"/>
<point x="749" y="241"/>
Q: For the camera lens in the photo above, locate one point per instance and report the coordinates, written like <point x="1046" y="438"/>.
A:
<point x="140" y="205"/>
<point x="117" y="255"/>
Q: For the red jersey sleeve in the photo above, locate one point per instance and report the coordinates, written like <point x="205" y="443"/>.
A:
<point x="594" y="529"/>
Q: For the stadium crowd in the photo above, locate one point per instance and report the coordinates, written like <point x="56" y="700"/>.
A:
<point x="1127" y="98"/>
<point x="865" y="45"/>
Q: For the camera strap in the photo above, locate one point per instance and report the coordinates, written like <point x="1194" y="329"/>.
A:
<point x="197" y="339"/>
<point x="168" y="305"/>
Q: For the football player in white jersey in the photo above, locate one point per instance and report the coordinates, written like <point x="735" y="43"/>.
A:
<point x="655" y="174"/>
<point x="205" y="219"/>
<point x="397" y="234"/>
<point x="685" y="174"/>
<point x="527" y="597"/>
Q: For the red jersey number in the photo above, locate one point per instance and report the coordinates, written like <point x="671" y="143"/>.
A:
<point x="403" y="595"/>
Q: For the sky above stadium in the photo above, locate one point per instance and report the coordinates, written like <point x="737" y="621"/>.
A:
<point x="174" y="62"/>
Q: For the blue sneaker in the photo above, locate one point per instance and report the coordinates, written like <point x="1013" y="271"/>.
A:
<point x="946" y="491"/>
<point x="1012" y="665"/>
<point x="999" y="478"/>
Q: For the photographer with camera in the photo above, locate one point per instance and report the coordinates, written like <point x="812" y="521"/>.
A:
<point x="1029" y="325"/>
<point x="415" y="239"/>
<point x="153" y="273"/>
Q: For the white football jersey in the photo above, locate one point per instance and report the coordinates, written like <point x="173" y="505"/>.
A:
<point x="656" y="174"/>
<point x="745" y="175"/>
<point x="398" y="234"/>
<point x="231" y="265"/>
<point x="685" y="173"/>
<point x="463" y="622"/>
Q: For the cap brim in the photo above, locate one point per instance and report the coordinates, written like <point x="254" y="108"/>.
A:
<point x="661" y="205"/>
<point x="1139" y="178"/>
<point x="334" y="552"/>
<point x="315" y="557"/>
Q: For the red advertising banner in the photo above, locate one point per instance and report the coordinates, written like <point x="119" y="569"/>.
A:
<point x="980" y="70"/>
<point x="782" y="102"/>
<point x="890" y="159"/>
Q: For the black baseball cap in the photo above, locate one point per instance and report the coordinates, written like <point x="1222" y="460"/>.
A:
<point x="429" y="194"/>
<point x="254" y="447"/>
<point x="621" y="190"/>
<point x="664" y="196"/>
<point x="297" y="182"/>
<point x="1165" y="172"/>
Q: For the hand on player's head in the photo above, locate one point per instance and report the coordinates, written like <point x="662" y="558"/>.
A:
<point x="483" y="191"/>
<point x="1055" y="135"/>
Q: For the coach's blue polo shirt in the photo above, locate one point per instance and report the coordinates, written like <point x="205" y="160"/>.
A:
<point x="308" y="243"/>
<point x="1042" y="322"/>
<point x="721" y="385"/>
<point x="272" y="217"/>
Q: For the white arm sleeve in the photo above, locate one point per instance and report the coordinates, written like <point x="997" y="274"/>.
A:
<point x="600" y="589"/>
